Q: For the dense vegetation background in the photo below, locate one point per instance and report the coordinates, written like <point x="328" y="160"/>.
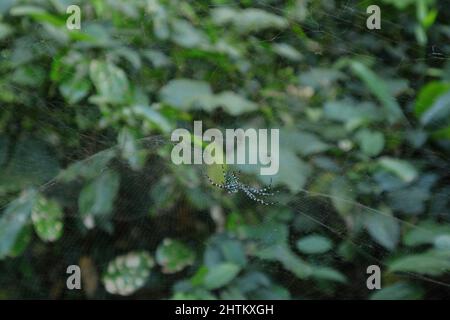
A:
<point x="85" y="170"/>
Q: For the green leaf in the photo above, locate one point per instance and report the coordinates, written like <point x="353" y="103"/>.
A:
<point x="184" y="93"/>
<point x="150" y="114"/>
<point x="74" y="89"/>
<point x="129" y="150"/>
<point x="441" y="134"/>
<point x="370" y="142"/>
<point x="186" y="35"/>
<point x="127" y="273"/>
<point x="343" y="195"/>
<point x="232" y="103"/>
<point x="196" y="294"/>
<point x="15" y="217"/>
<point x="383" y="228"/>
<point x="293" y="172"/>
<point x="287" y="51"/>
<point x="88" y="168"/>
<point x="410" y="200"/>
<point x="160" y="19"/>
<point x="157" y="58"/>
<point x="314" y="244"/>
<point x="266" y="234"/>
<point x="22" y="241"/>
<point x="131" y="55"/>
<point x="31" y="163"/>
<point x="399" y="291"/>
<point x="428" y="96"/>
<point x="26" y="10"/>
<point x="97" y="198"/>
<point x="438" y="114"/>
<point x="248" y="20"/>
<point x="174" y="256"/>
<point x="5" y="30"/>
<point x="442" y="242"/>
<point x="47" y="218"/>
<point x="377" y="86"/>
<point x="304" y="143"/>
<point x="299" y="267"/>
<point x="29" y="75"/>
<point x="401" y="4"/>
<point x="397" y="86"/>
<point x="432" y="263"/>
<point x="110" y="81"/>
<point x="401" y="168"/>
<point x="429" y="19"/>
<point x="320" y="78"/>
<point x="350" y="113"/>
<point x="326" y="273"/>
<point x="287" y="258"/>
<point x="234" y="252"/>
<point x="51" y="20"/>
<point x="425" y="233"/>
<point x="220" y="275"/>
<point x="421" y="35"/>
<point x="252" y="19"/>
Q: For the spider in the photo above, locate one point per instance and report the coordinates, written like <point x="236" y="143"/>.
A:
<point x="232" y="185"/>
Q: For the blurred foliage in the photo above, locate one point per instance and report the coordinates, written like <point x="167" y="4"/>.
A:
<point x="86" y="178"/>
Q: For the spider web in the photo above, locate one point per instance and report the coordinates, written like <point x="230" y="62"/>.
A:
<point x="310" y="211"/>
<point x="137" y="205"/>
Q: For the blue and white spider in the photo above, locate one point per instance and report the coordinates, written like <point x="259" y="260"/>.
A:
<point x="232" y="185"/>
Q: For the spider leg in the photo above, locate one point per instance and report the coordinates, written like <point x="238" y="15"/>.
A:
<point x="252" y="196"/>
<point x="266" y="191"/>
<point x="224" y="173"/>
<point x="269" y="187"/>
<point x="248" y="193"/>
<point x="221" y="186"/>
<point x="261" y="192"/>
